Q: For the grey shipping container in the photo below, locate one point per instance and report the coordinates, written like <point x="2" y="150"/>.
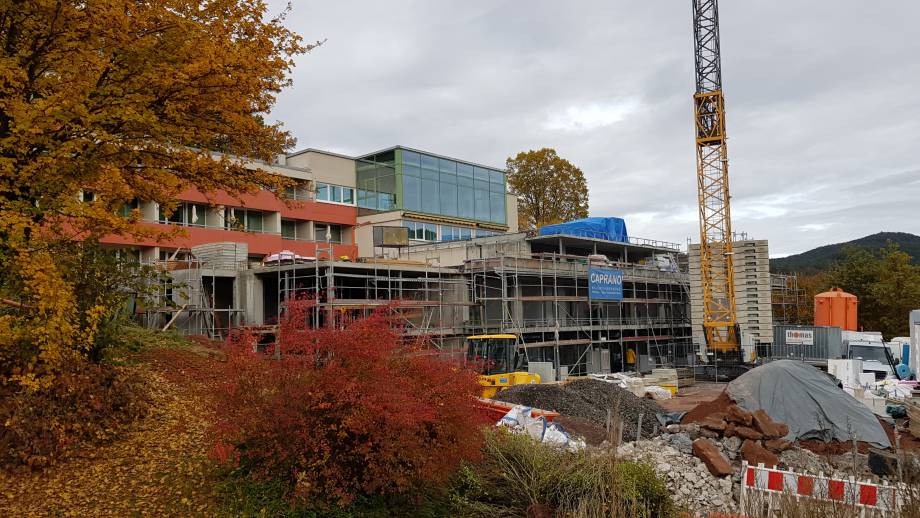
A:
<point x="828" y="344"/>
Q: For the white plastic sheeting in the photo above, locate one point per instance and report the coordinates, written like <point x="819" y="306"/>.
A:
<point x="520" y="420"/>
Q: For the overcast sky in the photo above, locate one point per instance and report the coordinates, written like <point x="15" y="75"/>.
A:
<point x="822" y="100"/>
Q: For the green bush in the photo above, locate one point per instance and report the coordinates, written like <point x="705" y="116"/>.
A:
<point x="641" y="486"/>
<point x="518" y="475"/>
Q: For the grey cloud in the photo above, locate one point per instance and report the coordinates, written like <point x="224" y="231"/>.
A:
<point x="821" y="98"/>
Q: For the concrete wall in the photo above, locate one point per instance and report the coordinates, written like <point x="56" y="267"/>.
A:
<point x="511" y="204"/>
<point x="326" y="167"/>
<point x="754" y="311"/>
<point x="364" y="233"/>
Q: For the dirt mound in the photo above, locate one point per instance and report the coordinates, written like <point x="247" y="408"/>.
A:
<point x="708" y="408"/>
<point x="593" y="433"/>
<point x="589" y="399"/>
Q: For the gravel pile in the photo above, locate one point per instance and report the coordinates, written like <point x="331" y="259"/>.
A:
<point x="690" y="483"/>
<point x="589" y="399"/>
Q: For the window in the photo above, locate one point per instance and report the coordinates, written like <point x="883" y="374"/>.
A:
<point x="244" y="219"/>
<point x="254" y="221"/>
<point x="186" y="214"/>
<point x="128" y="208"/>
<point x="451" y="233"/>
<point x="410" y="157"/>
<point x="481" y="210"/>
<point x="419" y="231"/>
<point x="335" y="232"/>
<point x="430" y="197"/>
<point x="298" y="192"/>
<point x="448" y="198"/>
<point x="429" y="162"/>
<point x="497" y="205"/>
<point x="88" y="195"/>
<point x="288" y="229"/>
<point x="334" y="193"/>
<point x="412" y="193"/>
<point x="484" y="233"/>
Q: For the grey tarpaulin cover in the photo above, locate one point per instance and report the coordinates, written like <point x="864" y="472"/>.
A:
<point x="808" y="401"/>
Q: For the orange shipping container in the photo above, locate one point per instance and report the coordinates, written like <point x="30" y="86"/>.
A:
<point x="836" y="308"/>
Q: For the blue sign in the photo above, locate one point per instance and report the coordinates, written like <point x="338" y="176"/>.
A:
<point x="605" y="284"/>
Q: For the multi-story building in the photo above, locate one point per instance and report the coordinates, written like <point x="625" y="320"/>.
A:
<point x="462" y="268"/>
<point x="436" y="197"/>
<point x="753" y="304"/>
<point x="263" y="223"/>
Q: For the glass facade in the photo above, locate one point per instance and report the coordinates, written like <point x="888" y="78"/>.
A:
<point x="400" y="179"/>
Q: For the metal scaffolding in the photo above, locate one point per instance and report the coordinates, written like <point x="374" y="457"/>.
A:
<point x="194" y="295"/>
<point x="430" y="301"/>
<point x="544" y="300"/>
<point x="788" y="299"/>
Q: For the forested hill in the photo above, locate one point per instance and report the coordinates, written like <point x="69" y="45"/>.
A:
<point x="823" y="257"/>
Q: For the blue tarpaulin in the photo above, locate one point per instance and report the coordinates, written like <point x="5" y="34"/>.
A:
<point x="611" y="229"/>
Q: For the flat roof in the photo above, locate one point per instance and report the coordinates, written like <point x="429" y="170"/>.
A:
<point x="346" y="265"/>
<point x="320" y="151"/>
<point x="605" y="244"/>
<point x="429" y="153"/>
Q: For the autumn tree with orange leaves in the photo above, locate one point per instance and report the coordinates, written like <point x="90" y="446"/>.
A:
<point x="133" y="101"/>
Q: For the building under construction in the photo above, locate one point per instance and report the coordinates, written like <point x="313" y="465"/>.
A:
<point x="533" y="286"/>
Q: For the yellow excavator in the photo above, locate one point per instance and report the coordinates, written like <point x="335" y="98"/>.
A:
<point x="500" y="362"/>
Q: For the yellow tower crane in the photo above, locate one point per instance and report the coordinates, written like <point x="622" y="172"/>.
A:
<point x="716" y="264"/>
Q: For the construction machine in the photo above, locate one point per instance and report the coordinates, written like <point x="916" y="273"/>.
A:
<point x="500" y="361"/>
<point x="717" y="273"/>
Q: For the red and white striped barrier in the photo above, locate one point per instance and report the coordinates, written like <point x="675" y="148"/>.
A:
<point x="772" y="481"/>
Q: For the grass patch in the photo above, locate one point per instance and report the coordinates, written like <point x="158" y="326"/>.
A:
<point x="518" y="476"/>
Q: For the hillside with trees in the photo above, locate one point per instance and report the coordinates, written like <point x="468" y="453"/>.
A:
<point x="886" y="280"/>
<point x="824" y="257"/>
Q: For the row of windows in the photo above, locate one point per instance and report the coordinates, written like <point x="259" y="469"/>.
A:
<point x="248" y="220"/>
<point x="295" y="230"/>
<point x="324" y="192"/>
<point x="419" y="164"/>
<point x="448" y="198"/>
<point x="420" y="231"/>
<point x="335" y="193"/>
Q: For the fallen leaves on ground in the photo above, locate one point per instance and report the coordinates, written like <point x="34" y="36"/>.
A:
<point x="158" y="467"/>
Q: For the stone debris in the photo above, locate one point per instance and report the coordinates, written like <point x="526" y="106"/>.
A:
<point x="688" y="479"/>
<point x="755" y="454"/>
<point x="710" y="454"/>
<point x="768" y="427"/>
<point x="746" y="433"/>
<point x="777" y="445"/>
<point x="738" y="415"/>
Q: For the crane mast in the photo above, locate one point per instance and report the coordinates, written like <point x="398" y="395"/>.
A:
<point x="716" y="257"/>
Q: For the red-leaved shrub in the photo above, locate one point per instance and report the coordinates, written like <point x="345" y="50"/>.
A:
<point x="344" y="412"/>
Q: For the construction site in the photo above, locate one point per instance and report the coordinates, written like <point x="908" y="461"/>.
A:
<point x="698" y="357"/>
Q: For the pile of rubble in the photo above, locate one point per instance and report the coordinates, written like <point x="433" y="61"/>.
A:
<point x="736" y="434"/>
<point x="688" y="479"/>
